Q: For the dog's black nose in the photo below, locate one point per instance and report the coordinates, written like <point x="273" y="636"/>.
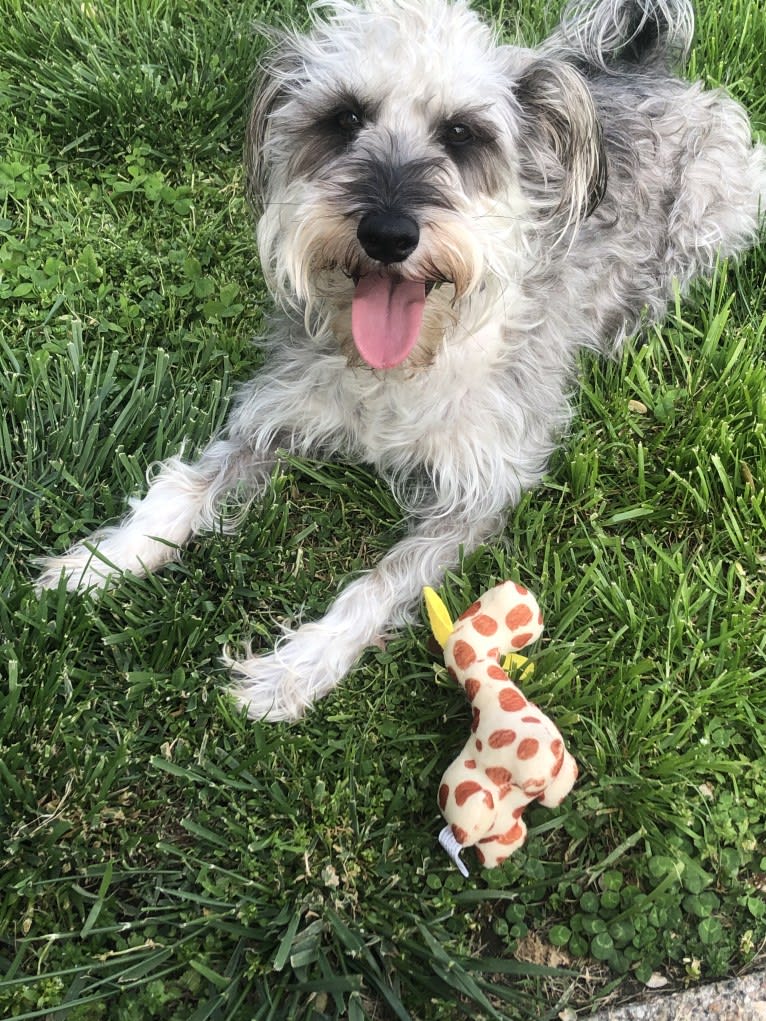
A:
<point x="388" y="237"/>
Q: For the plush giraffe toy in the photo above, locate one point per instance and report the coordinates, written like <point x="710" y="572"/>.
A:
<point x="515" y="754"/>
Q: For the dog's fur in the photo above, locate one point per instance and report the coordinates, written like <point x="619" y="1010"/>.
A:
<point x="553" y="197"/>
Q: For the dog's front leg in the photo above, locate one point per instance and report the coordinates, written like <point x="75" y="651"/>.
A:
<point x="183" y="498"/>
<point x="310" y="661"/>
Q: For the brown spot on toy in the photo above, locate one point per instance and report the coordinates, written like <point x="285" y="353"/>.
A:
<point x="475" y="720"/>
<point x="495" y="671"/>
<point x="528" y="748"/>
<point x="470" y="763"/>
<point x="533" y="787"/>
<point x="521" y="640"/>
<point x="531" y="719"/>
<point x="465" y="790"/>
<point x="472" y="686"/>
<point x="463" y="654"/>
<point x="511" y="700"/>
<point x="520" y="589"/>
<point x="443" y="796"/>
<point x="460" y="834"/>
<point x="484" y="625"/>
<point x="472" y="609"/>
<point x="515" y="833"/>
<point x="518" y="617"/>
<point x="501" y="738"/>
<point x="498" y="775"/>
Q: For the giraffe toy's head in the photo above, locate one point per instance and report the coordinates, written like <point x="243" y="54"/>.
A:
<point x="515" y="754"/>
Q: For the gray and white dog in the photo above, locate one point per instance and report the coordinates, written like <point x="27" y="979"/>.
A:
<point x="444" y="222"/>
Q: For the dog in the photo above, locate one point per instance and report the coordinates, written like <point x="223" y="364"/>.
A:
<point x="444" y="222"/>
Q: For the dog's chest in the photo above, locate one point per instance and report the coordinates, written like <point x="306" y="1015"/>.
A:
<point x="453" y="403"/>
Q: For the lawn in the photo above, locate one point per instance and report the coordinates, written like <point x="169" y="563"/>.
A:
<point x="161" y="856"/>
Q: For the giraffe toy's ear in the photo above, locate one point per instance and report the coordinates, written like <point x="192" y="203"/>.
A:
<point x="438" y="616"/>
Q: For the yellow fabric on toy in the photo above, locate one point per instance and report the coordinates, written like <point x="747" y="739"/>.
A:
<point x="438" y="616"/>
<point x="515" y="754"/>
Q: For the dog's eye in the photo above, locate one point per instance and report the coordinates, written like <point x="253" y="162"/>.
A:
<point x="349" y="121"/>
<point x="457" y="134"/>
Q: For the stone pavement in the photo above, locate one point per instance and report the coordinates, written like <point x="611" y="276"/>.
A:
<point x="740" y="999"/>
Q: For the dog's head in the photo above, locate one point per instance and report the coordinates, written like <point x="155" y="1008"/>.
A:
<point x="403" y="163"/>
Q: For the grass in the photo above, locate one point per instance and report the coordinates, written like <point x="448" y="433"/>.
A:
<point x="162" y="857"/>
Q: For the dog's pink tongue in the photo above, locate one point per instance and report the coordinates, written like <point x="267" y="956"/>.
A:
<point x="386" y="316"/>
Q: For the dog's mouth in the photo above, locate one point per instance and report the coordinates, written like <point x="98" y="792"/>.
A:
<point x="387" y="316"/>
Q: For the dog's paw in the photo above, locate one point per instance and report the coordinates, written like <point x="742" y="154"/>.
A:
<point x="268" y="691"/>
<point x="83" y="567"/>
<point x="107" y="554"/>
<point x="305" y="666"/>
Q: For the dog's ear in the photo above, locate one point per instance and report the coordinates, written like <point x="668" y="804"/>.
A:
<point x="563" y="162"/>
<point x="277" y="71"/>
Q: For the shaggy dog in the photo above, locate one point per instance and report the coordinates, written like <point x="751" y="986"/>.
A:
<point x="445" y="221"/>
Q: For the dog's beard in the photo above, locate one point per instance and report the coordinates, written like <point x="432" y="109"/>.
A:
<point x="383" y="317"/>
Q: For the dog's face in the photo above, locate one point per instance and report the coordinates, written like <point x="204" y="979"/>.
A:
<point x="401" y="161"/>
